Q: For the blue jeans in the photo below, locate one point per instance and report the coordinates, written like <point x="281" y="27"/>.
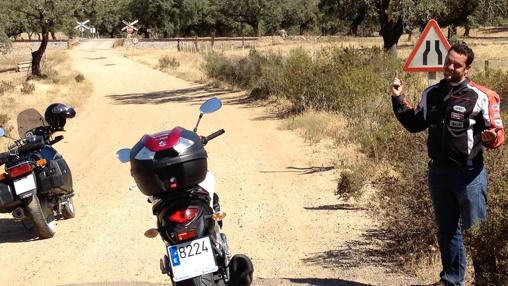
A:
<point x="459" y="197"/>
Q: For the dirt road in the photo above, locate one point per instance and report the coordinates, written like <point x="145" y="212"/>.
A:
<point x="280" y="203"/>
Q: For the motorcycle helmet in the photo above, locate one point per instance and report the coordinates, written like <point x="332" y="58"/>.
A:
<point x="56" y="115"/>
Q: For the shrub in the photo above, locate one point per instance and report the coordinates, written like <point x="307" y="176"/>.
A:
<point x="79" y="77"/>
<point x="166" y="62"/>
<point x="6" y="86"/>
<point x="27" y="88"/>
<point x="240" y="73"/>
<point x="489" y="241"/>
<point x="3" y="120"/>
<point x="52" y="74"/>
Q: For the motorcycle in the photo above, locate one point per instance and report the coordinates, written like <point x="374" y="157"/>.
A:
<point x="170" y="167"/>
<point x="37" y="183"/>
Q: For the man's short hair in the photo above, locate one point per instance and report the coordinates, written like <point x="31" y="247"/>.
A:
<point x="463" y="49"/>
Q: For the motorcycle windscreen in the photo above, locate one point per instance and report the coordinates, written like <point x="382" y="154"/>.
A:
<point x="29" y="119"/>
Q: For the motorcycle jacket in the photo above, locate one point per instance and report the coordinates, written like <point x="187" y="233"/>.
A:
<point x="455" y="116"/>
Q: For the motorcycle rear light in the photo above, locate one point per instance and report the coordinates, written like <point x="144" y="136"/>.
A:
<point x="172" y="183"/>
<point x="186" y="235"/>
<point x="19" y="170"/>
<point x="183" y="216"/>
<point x="2" y="177"/>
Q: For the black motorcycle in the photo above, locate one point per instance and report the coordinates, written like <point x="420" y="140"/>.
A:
<point x="37" y="183"/>
<point x="170" y="167"/>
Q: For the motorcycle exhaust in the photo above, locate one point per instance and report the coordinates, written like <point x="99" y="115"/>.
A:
<point x="18" y="213"/>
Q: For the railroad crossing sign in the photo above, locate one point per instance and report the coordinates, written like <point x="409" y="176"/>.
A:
<point x="129" y="26"/>
<point x="429" y="52"/>
<point x="82" y="26"/>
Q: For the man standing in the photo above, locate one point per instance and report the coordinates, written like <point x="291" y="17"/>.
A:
<point x="461" y="116"/>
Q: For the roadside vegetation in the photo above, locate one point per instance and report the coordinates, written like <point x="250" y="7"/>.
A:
<point x="353" y="83"/>
<point x="62" y="84"/>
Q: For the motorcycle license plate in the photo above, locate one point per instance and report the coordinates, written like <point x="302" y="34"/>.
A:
<point x="191" y="259"/>
<point x="24" y="185"/>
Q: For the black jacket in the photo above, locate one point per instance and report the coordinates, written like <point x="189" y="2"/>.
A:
<point x="455" y="117"/>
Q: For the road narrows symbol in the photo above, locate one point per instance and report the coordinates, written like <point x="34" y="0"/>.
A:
<point x="438" y="52"/>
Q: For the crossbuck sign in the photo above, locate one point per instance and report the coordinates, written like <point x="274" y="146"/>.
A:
<point x="82" y="26"/>
<point x="129" y="26"/>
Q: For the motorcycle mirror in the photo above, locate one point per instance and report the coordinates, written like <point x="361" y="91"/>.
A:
<point x="123" y="155"/>
<point x="2" y="132"/>
<point x="211" y="105"/>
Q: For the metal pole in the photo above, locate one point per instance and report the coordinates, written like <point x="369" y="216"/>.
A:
<point x="432" y="78"/>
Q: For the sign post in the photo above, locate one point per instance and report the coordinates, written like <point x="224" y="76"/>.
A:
<point x="429" y="52"/>
<point x="82" y="26"/>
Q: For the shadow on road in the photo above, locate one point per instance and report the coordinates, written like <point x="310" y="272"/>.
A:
<point x="195" y="95"/>
<point x="369" y="251"/>
<point x="116" y="284"/>
<point x="12" y="230"/>
<point x="302" y="170"/>
<point x="325" y="282"/>
<point x="347" y="207"/>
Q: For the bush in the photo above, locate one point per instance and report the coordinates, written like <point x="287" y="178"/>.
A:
<point x="239" y="73"/>
<point x="489" y="241"/>
<point x="6" y="86"/>
<point x="166" y="62"/>
<point x="79" y="77"/>
<point x="27" y="88"/>
<point x="3" y="120"/>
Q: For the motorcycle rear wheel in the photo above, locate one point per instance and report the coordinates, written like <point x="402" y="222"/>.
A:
<point x="42" y="218"/>
<point x="203" y="280"/>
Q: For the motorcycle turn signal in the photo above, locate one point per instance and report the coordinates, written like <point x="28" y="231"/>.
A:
<point x="218" y="216"/>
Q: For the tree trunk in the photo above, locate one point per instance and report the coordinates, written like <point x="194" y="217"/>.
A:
<point x="30" y="35"/>
<point x="390" y="31"/>
<point x="37" y="55"/>
<point x="467" y="29"/>
<point x="353" y="28"/>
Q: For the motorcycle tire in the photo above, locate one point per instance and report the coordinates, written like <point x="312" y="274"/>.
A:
<point x="44" y="222"/>
<point x="68" y="210"/>
<point x="203" y="280"/>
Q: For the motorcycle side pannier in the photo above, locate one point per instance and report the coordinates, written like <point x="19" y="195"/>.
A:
<point x="168" y="161"/>
<point x="55" y="177"/>
<point x="7" y="202"/>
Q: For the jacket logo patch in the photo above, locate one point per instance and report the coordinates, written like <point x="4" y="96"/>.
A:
<point x="459" y="108"/>
<point x="498" y="122"/>
<point x="457" y="124"/>
<point x="457" y="116"/>
<point x="495" y="107"/>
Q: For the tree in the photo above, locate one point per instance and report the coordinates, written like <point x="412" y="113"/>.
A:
<point x="157" y="15"/>
<point x="247" y="11"/>
<point x="301" y="13"/>
<point x="109" y="15"/>
<point x="47" y="15"/>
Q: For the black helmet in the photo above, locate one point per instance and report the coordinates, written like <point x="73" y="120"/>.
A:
<point x="56" y="115"/>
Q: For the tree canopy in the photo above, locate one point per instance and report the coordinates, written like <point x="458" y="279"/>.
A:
<point x="177" y="18"/>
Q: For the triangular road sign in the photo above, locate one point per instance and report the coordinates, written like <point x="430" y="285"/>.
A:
<point x="430" y="51"/>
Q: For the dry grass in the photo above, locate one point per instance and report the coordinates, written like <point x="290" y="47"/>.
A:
<point x="189" y="68"/>
<point x="59" y="87"/>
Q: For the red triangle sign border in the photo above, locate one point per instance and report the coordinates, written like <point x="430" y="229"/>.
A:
<point x="432" y="24"/>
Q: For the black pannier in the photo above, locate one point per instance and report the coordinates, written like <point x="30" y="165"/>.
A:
<point x="55" y="177"/>
<point x="7" y="201"/>
<point x="166" y="169"/>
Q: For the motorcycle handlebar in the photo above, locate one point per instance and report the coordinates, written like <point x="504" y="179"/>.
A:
<point x="212" y="136"/>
